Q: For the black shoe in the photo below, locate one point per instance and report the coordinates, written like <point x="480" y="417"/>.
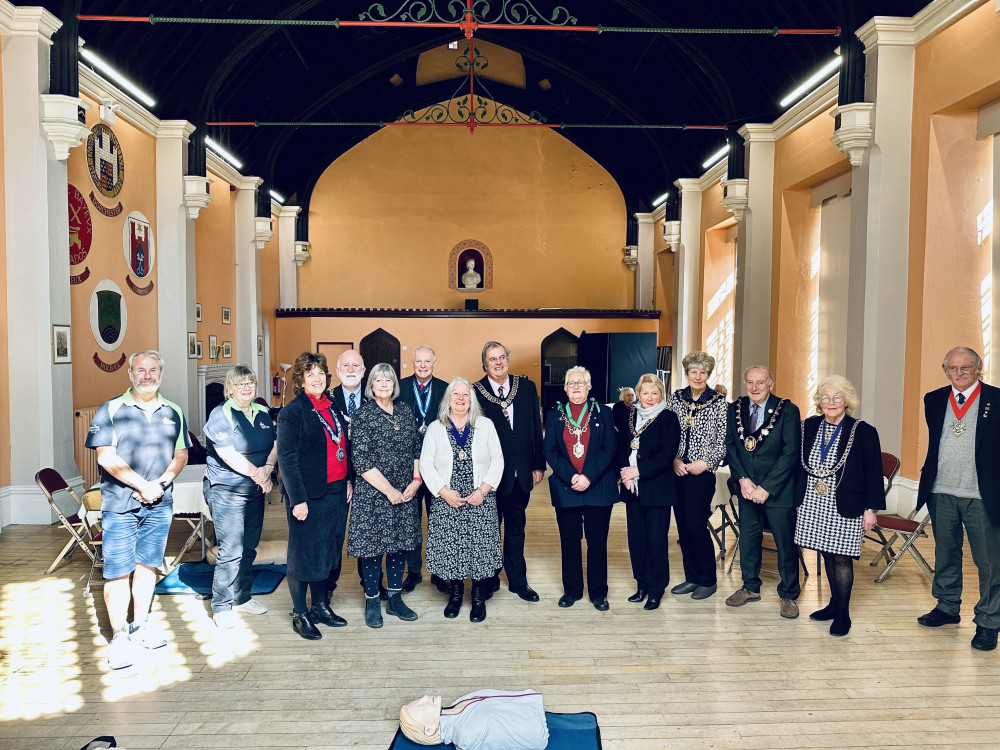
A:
<point x="841" y="625"/>
<point x="442" y="585"/>
<point x="478" y="612"/>
<point x="824" y="615"/>
<point x="567" y="601"/>
<point x="373" y="612"/>
<point x="457" y="591"/>
<point x="937" y="617"/>
<point x="639" y="595"/>
<point x="382" y="593"/>
<point x="527" y="593"/>
<point x="985" y="639"/>
<point x="398" y="608"/>
<point x="302" y="625"/>
<point x="703" y="592"/>
<point x="653" y="602"/>
<point x="684" y="588"/>
<point x="322" y="614"/>
<point x="490" y="586"/>
<point x="412" y="579"/>
<point x="601" y="605"/>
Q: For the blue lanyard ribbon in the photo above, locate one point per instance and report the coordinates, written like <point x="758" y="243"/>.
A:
<point x="824" y="447"/>
<point x="423" y="404"/>
<point x="460" y="437"/>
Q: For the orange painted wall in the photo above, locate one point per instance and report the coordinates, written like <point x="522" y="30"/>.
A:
<point x="956" y="70"/>
<point x="663" y="290"/>
<point x="802" y="158"/>
<point x="4" y="364"/>
<point x="269" y="298"/>
<point x="106" y="260"/>
<point x="395" y="205"/>
<point x="457" y="342"/>
<point x="215" y="244"/>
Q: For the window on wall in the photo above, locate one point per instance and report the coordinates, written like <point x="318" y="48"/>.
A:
<point x="720" y="309"/>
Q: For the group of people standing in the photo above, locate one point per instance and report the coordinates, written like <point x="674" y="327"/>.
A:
<point x="366" y="462"/>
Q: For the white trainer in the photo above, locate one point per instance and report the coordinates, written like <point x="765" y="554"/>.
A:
<point x="148" y="636"/>
<point x="225" y="620"/>
<point x="252" y="606"/>
<point x="120" y="652"/>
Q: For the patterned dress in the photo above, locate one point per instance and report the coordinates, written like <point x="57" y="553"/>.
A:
<point x="377" y="527"/>
<point x="463" y="542"/>
<point x="819" y="525"/>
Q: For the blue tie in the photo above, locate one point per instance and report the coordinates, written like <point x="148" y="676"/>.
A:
<point x="351" y="406"/>
<point x="754" y="413"/>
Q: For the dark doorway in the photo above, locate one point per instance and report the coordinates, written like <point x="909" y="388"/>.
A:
<point x="379" y="346"/>
<point x="558" y="355"/>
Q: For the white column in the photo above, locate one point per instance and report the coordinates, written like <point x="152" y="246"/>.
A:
<point x="246" y="316"/>
<point x="288" y="284"/>
<point x="37" y="236"/>
<point x="687" y="276"/>
<point x="880" y="237"/>
<point x="645" y="273"/>
<point x="176" y="278"/>
<point x="752" y="320"/>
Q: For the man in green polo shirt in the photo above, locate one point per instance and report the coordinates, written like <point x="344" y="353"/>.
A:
<point x="142" y="444"/>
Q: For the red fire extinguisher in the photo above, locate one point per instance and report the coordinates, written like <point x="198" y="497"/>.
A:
<point x="276" y="384"/>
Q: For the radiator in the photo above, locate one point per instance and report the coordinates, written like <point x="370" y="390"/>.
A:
<point x="86" y="459"/>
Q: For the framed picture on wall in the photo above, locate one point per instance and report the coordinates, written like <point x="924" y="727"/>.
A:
<point x="198" y="350"/>
<point x="260" y="346"/>
<point x="227" y="316"/>
<point x="192" y="345"/>
<point x="227" y="350"/>
<point x="197" y="312"/>
<point x="61" y="354"/>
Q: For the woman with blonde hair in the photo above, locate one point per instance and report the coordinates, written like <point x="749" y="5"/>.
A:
<point x="839" y="487"/>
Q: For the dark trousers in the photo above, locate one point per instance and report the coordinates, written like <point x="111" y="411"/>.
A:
<point x="414" y="558"/>
<point x="510" y="513"/>
<point x="692" y="511"/>
<point x="592" y="521"/>
<point x="648" y="527"/>
<point x="949" y="514"/>
<point x="238" y="517"/>
<point x="781" y="521"/>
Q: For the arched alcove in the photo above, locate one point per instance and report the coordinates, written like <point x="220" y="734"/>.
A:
<point x="559" y="351"/>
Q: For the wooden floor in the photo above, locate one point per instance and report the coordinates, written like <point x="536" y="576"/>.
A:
<point x="689" y="675"/>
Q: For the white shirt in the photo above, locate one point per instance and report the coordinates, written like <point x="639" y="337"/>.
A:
<point x="506" y="394"/>
<point x="967" y="392"/>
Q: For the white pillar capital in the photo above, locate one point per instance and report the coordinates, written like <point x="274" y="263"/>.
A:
<point x="62" y="120"/>
<point x="175" y="129"/>
<point x="197" y="194"/>
<point x="29" y="21"/>
<point x="248" y="183"/>
<point x="734" y="196"/>
<point x="688" y="185"/>
<point x="852" y="134"/>
<point x="758" y="132"/>
<point x="887" y="31"/>
<point x="301" y="252"/>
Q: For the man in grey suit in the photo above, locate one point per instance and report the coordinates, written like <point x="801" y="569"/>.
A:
<point x="762" y="445"/>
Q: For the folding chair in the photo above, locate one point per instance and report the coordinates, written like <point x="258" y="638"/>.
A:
<point x="95" y="535"/>
<point x="50" y="482"/>
<point x="909" y="530"/>
<point x="734" y="504"/>
<point x="197" y="523"/>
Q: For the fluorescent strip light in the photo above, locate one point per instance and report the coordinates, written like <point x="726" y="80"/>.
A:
<point x="716" y="157"/>
<point x="662" y="199"/>
<point x="117" y="77"/>
<point x="222" y="153"/>
<point x="276" y="196"/>
<point x="819" y="76"/>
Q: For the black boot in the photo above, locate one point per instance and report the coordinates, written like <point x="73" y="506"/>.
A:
<point x="322" y="614"/>
<point x="479" y="589"/>
<point x="442" y="585"/>
<point x="397" y="607"/>
<point x="826" y="614"/>
<point x="457" y="590"/>
<point x="302" y="625"/>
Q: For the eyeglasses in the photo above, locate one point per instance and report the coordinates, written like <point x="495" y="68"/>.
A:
<point x="577" y="384"/>
<point x="246" y="385"/>
<point x="964" y="369"/>
<point x="838" y="399"/>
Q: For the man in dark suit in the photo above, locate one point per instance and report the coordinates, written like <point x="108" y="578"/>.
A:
<point x="511" y="403"/>
<point x="960" y="483"/>
<point x="762" y="445"/>
<point x="423" y="392"/>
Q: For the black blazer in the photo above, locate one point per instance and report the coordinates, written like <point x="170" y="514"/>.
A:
<point x="774" y="463"/>
<point x="859" y="482"/>
<point x="339" y="399"/>
<point x="987" y="441"/>
<point x="619" y="416"/>
<point x="599" y="464"/>
<point x="655" y="459"/>
<point x="438" y="387"/>
<point x="302" y="451"/>
<point x="522" y="446"/>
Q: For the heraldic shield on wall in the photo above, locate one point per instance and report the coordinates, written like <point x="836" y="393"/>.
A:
<point x="105" y="160"/>
<point x="108" y="315"/>
<point x="137" y="243"/>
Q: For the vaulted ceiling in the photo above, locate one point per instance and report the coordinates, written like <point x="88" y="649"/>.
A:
<point x="299" y="73"/>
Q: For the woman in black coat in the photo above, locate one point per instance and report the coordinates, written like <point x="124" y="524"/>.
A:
<point x="579" y="445"/>
<point x="646" y="452"/>
<point x="313" y="456"/>
<point x="839" y="489"/>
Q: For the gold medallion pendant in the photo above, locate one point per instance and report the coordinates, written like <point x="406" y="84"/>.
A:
<point x="578" y="450"/>
<point x="689" y="420"/>
<point x="634" y="445"/>
<point x="958" y="428"/>
<point x="750" y="443"/>
<point x="340" y="454"/>
<point x="821" y="488"/>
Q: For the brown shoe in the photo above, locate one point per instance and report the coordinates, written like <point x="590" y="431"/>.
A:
<point x="789" y="609"/>
<point x="741" y="597"/>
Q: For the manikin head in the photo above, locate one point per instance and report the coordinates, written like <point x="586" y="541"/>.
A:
<point x="420" y="720"/>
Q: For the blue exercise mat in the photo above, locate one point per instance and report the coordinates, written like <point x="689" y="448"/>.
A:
<point x="566" y="732"/>
<point x="196" y="578"/>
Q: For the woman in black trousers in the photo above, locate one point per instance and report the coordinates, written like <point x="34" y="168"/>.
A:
<point x="579" y="445"/>
<point x="313" y="456"/>
<point x="645" y="459"/>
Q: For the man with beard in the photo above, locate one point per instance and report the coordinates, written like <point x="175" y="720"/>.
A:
<point x="142" y="444"/>
<point x="511" y="403"/>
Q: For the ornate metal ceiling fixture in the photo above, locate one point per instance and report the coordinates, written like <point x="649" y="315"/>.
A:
<point x="511" y="12"/>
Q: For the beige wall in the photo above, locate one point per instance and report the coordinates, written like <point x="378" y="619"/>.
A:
<point x="4" y="365"/>
<point x="269" y="302"/>
<point x="215" y="244"/>
<point x="718" y="263"/>
<point x="663" y="290"/>
<point x="385" y="216"/>
<point x="106" y="260"/>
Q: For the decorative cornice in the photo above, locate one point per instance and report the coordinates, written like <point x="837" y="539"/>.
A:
<point x="28" y="21"/>
<point x="247" y="183"/>
<point x="715" y="175"/>
<point x="378" y="312"/>
<point x="288" y="212"/>
<point x="196" y="194"/>
<point x="887" y="31"/>
<point x="735" y="196"/>
<point x="688" y="185"/>
<point x="645" y="218"/>
<point x="98" y="88"/>
<point x="301" y="252"/>
<point x="660" y="212"/>
<point x="805" y="110"/>
<point x="755" y="132"/>
<point x="941" y="14"/>
<point x="224" y="170"/>
<point x="630" y="256"/>
<point x="62" y="120"/>
<point x="263" y="231"/>
<point x="853" y="130"/>
<point x="175" y="129"/>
